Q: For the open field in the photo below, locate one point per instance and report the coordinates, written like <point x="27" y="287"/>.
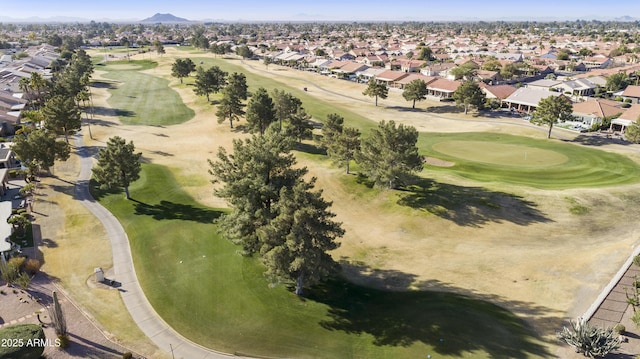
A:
<point x="542" y="254"/>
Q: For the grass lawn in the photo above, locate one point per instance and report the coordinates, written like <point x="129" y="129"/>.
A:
<point x="204" y="289"/>
<point x="526" y="161"/>
<point x="316" y="108"/>
<point x="142" y="99"/>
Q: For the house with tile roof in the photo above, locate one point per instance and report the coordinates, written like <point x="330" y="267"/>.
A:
<point x="592" y="112"/>
<point x="628" y="117"/>
<point x="632" y="92"/>
<point x="526" y="99"/>
<point x="442" y="89"/>
<point x="391" y="77"/>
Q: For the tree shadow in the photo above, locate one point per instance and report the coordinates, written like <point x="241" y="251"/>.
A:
<point x="469" y="206"/>
<point x="124" y="113"/>
<point x="450" y="321"/>
<point x="599" y="140"/>
<point x="407" y="108"/>
<point x="103" y="85"/>
<point x="310" y="148"/>
<point x="445" y="109"/>
<point x="170" y="210"/>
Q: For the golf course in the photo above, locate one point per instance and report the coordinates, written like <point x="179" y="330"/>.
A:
<point x="482" y="256"/>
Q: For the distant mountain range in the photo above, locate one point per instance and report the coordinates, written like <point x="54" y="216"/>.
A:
<point x="164" y="18"/>
<point x="169" y="18"/>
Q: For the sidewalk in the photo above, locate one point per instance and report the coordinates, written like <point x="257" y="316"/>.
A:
<point x="133" y="297"/>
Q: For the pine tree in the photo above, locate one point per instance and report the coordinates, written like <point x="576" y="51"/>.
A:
<point x="62" y="116"/>
<point x="260" y="112"/>
<point x="252" y="177"/>
<point x="118" y="165"/>
<point x="415" y="90"/>
<point x="295" y="243"/>
<point x="345" y="146"/>
<point x="551" y="110"/>
<point x="376" y="89"/>
<point x="299" y="125"/>
<point x="389" y="155"/>
<point x="469" y="94"/>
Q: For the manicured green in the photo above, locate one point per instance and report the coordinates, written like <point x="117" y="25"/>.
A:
<point x="202" y="287"/>
<point x="142" y="99"/>
<point x="547" y="164"/>
<point x="22" y="341"/>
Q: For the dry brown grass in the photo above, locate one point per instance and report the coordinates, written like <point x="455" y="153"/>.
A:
<point x="543" y="270"/>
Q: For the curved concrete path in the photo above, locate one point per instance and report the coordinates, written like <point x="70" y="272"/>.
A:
<point x="133" y="297"/>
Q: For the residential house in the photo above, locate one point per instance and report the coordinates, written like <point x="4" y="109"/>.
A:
<point x="415" y="76"/>
<point x="543" y="85"/>
<point x="442" y="89"/>
<point x="526" y="99"/>
<point x="628" y="117"/>
<point x="498" y="92"/>
<point x="348" y="70"/>
<point x="578" y="87"/>
<point x="391" y="77"/>
<point x="633" y="93"/>
<point x="437" y="69"/>
<point x="592" y="112"/>
<point x="5" y="230"/>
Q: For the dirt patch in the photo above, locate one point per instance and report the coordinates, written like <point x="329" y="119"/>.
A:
<point x="432" y="161"/>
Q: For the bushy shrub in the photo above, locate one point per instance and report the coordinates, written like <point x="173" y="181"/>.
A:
<point x="32" y="266"/>
<point x="64" y="341"/>
<point x="127" y="355"/>
<point x="619" y="329"/>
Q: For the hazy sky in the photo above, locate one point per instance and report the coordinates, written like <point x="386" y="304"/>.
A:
<point x="345" y="10"/>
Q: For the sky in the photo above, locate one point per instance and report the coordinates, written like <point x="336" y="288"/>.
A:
<point x="333" y="10"/>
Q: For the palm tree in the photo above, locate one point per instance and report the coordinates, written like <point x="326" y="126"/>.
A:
<point x="25" y="86"/>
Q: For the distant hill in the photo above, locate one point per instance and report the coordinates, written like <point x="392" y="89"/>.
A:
<point x="164" y="18"/>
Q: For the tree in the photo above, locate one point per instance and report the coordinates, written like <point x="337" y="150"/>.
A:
<point x="285" y="104"/>
<point x="465" y="71"/>
<point x="230" y="106"/>
<point x="492" y="65"/>
<point x="508" y="71"/>
<point x="331" y="129"/>
<point x="469" y="94"/>
<point x="296" y="241"/>
<point x="415" y="90"/>
<point x="632" y="133"/>
<point x="251" y="179"/>
<point x="345" y="146"/>
<point x="266" y="61"/>
<point x="20" y="224"/>
<point x="590" y="341"/>
<point x="389" y="155"/>
<point x="39" y="149"/>
<point x="118" y="165"/>
<point x="426" y="54"/>
<point x="62" y="116"/>
<point x="182" y="68"/>
<point x="551" y="110"/>
<point x="617" y="81"/>
<point x="260" y="111"/>
<point x="209" y="81"/>
<point x="159" y="47"/>
<point x="299" y="125"/>
<point x="238" y="83"/>
<point x="376" y="89"/>
<point x="244" y="51"/>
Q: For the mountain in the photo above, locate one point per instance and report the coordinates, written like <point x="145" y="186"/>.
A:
<point x="164" y="18"/>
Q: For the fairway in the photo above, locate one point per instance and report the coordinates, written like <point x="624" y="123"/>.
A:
<point x="142" y="99"/>
<point x="203" y="288"/>
<point x="526" y="161"/>
<point x="500" y="154"/>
